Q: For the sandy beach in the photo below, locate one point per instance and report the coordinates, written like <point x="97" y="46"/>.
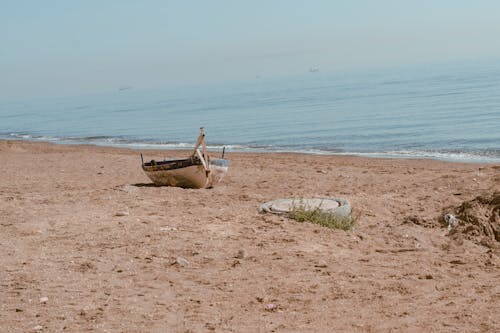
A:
<point x="89" y="245"/>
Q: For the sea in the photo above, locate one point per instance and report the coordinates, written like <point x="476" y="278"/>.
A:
<point x="441" y="111"/>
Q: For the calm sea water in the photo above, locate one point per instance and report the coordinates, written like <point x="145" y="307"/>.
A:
<point x="442" y="112"/>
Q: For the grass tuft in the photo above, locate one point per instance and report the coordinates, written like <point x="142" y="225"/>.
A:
<point x="301" y="213"/>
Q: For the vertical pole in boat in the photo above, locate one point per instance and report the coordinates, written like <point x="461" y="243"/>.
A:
<point x="199" y="141"/>
<point x="204" y="147"/>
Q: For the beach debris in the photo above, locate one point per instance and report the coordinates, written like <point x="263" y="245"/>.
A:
<point x="337" y="207"/>
<point x="321" y="264"/>
<point x="168" y="228"/>
<point x="183" y="262"/>
<point x="38" y="328"/>
<point x="129" y="188"/>
<point x="122" y="213"/>
<point x="477" y="220"/>
<point x="451" y="220"/>
<point x="210" y="326"/>
<point x="44" y="299"/>
<point x="271" y="307"/>
<point x="327" y="212"/>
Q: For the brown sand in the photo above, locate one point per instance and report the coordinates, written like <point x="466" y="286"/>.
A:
<point x="87" y="245"/>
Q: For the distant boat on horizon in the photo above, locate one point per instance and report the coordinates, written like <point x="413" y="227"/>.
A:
<point x="125" y="88"/>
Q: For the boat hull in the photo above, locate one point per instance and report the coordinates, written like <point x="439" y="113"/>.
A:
<point x="191" y="176"/>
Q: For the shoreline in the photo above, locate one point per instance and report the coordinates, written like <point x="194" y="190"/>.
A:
<point x="89" y="244"/>
<point x="404" y="155"/>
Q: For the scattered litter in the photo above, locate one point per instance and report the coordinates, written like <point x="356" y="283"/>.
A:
<point x="451" y="220"/>
<point x="271" y="307"/>
<point x="122" y="213"/>
<point x="183" y="262"/>
<point x="321" y="264"/>
<point x="167" y="228"/>
<point x="38" y="328"/>
<point x="44" y="299"/>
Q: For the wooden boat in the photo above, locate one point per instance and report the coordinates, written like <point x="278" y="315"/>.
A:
<point x="196" y="171"/>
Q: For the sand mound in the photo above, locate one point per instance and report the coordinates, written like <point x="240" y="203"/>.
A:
<point x="479" y="219"/>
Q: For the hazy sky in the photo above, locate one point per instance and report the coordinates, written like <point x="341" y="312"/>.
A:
<point x="76" y="47"/>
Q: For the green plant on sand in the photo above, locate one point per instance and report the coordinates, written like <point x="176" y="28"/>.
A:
<point x="301" y="213"/>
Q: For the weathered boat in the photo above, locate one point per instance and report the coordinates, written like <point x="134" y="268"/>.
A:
<point x="196" y="171"/>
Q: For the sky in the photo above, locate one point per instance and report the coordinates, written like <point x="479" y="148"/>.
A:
<point x="70" y="47"/>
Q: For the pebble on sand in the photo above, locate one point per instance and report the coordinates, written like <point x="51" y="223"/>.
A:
<point x="242" y="254"/>
<point x="271" y="307"/>
<point x="183" y="262"/>
<point x="123" y="213"/>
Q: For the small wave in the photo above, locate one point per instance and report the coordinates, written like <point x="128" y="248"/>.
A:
<point x="479" y="156"/>
<point x="27" y="137"/>
<point x="486" y="156"/>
